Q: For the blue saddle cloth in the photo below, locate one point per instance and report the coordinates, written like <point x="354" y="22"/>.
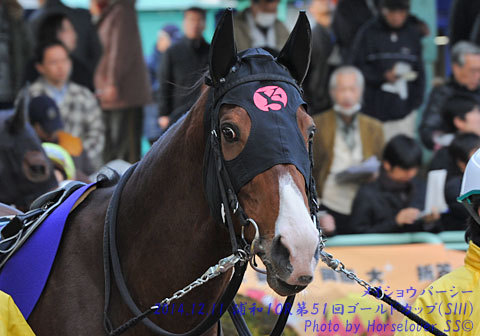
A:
<point x="25" y="274"/>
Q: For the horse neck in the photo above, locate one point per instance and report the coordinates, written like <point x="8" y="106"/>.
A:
<point x="164" y="215"/>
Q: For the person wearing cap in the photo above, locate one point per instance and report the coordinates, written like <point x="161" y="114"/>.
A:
<point x="258" y="27"/>
<point x="45" y="118"/>
<point x="388" y="51"/>
<point x="461" y="286"/>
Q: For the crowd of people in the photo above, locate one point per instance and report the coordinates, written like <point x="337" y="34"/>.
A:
<point x="93" y="94"/>
<point x="85" y="74"/>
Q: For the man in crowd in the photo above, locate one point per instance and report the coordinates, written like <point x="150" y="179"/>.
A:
<point x="87" y="48"/>
<point x="79" y="109"/>
<point x="394" y="201"/>
<point x="388" y="51"/>
<point x="461" y="114"/>
<point x="258" y="27"/>
<point x="461" y="149"/>
<point x="348" y="17"/>
<point x="321" y="63"/>
<point x="434" y="131"/>
<point x="464" y="21"/>
<point x="121" y="79"/>
<point x="183" y="64"/>
<point x="345" y="137"/>
<point x="14" y="52"/>
<point x="463" y="280"/>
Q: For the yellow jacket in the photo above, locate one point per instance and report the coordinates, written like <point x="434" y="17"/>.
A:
<point x="454" y="303"/>
<point x="12" y="322"/>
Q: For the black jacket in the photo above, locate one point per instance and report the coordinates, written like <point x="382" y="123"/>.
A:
<point x="376" y="206"/>
<point x="433" y="119"/>
<point x="443" y="160"/>
<point x="457" y="215"/>
<point x="89" y="48"/>
<point x="464" y="21"/>
<point x="316" y="83"/>
<point x="183" y="64"/>
<point x="348" y="17"/>
<point x="377" y="48"/>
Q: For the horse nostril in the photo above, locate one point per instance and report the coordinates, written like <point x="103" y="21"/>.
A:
<point x="38" y="169"/>
<point x="305" y="279"/>
<point x="281" y="254"/>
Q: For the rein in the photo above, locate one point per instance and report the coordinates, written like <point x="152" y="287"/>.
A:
<point x="112" y="261"/>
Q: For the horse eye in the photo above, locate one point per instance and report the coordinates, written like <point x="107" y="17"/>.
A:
<point x="229" y="134"/>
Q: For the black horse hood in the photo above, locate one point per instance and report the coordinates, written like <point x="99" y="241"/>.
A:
<point x="268" y="89"/>
<point x="272" y="106"/>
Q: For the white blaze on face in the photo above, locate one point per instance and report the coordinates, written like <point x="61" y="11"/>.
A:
<point x="298" y="232"/>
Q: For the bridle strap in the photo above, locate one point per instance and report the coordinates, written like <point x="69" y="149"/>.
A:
<point x="221" y="89"/>
<point x="241" y="325"/>
<point x="111" y="259"/>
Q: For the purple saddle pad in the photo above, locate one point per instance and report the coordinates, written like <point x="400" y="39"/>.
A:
<point x="25" y="274"/>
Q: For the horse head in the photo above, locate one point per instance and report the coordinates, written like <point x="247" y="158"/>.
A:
<point x="25" y="171"/>
<point x="263" y="131"/>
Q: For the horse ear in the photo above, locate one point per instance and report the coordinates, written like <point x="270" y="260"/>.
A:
<point x="20" y="116"/>
<point x="295" y="54"/>
<point x="223" y="52"/>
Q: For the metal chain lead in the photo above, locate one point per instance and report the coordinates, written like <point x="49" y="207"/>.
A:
<point x="339" y="267"/>
<point x="223" y="265"/>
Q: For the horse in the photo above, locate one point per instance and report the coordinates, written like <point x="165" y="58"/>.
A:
<point x="25" y="170"/>
<point x="169" y="226"/>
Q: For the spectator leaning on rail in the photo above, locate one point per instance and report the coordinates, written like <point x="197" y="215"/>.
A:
<point x="79" y="108"/>
<point x="388" y="51"/>
<point x="258" y="27"/>
<point x="460" y="287"/>
<point x="182" y="66"/>
<point x="393" y="202"/>
<point x="345" y="137"/>
<point x="434" y="131"/>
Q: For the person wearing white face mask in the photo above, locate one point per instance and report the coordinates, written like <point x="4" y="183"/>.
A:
<point x="345" y="138"/>
<point x="258" y="27"/>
